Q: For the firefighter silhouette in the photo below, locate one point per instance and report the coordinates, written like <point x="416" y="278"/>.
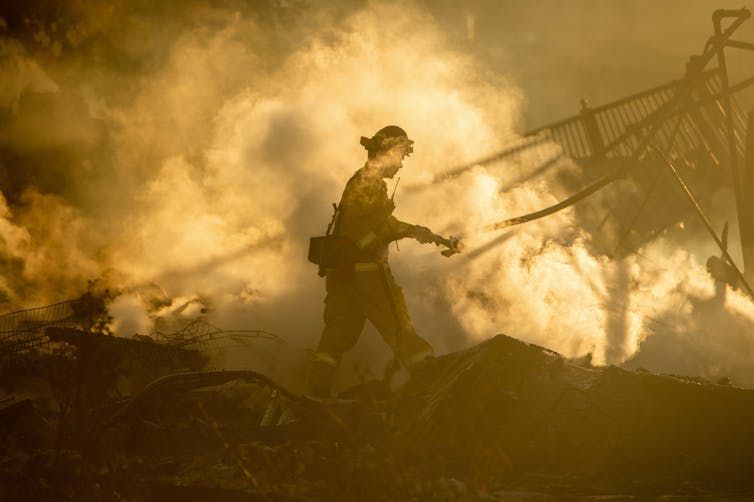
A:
<point x="363" y="288"/>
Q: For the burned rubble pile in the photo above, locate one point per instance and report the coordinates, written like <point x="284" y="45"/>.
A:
<point x="127" y="419"/>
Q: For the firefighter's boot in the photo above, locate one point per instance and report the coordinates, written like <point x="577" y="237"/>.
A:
<point x="320" y="378"/>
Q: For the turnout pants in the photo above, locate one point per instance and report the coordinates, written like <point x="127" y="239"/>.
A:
<point x="368" y="293"/>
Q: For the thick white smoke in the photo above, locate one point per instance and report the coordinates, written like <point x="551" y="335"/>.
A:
<point x="281" y="151"/>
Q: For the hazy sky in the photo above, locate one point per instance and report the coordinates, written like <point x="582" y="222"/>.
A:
<point x="561" y="51"/>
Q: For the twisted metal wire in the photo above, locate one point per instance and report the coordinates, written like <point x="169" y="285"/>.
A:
<point x="200" y="332"/>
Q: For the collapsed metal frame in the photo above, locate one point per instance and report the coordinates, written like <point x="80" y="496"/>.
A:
<point x="626" y="128"/>
<point x="674" y="121"/>
<point x="200" y="332"/>
<point x="24" y="330"/>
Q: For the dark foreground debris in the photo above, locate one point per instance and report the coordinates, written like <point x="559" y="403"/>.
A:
<point x="500" y="421"/>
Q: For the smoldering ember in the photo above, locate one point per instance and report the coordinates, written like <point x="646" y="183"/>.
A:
<point x="198" y="204"/>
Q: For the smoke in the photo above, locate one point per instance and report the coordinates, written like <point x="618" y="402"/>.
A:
<point x="188" y="164"/>
<point x="44" y="253"/>
<point x="19" y="71"/>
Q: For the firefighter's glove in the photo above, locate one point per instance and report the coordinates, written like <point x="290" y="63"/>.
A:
<point x="424" y="235"/>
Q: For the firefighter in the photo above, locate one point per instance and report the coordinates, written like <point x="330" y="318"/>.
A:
<point x="365" y="289"/>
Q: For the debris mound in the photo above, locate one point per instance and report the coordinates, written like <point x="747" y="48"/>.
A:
<point x="503" y="420"/>
<point x="508" y="406"/>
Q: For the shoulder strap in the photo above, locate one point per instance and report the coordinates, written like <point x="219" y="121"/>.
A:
<point x="332" y="226"/>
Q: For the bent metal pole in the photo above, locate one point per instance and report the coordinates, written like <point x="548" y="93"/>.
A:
<point x="706" y="222"/>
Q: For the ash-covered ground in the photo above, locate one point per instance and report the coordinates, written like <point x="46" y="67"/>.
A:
<point x="95" y="417"/>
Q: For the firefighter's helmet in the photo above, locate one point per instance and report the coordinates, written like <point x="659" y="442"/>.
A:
<point x="386" y="138"/>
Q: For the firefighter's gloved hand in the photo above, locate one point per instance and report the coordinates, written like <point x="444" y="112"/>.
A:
<point x="423" y="234"/>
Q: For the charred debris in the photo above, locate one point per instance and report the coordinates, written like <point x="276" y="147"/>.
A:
<point x="85" y="415"/>
<point x="499" y="421"/>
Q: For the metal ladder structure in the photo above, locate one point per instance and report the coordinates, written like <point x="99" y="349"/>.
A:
<point x="680" y="125"/>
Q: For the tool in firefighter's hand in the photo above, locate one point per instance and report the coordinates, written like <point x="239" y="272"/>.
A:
<point x="453" y="244"/>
